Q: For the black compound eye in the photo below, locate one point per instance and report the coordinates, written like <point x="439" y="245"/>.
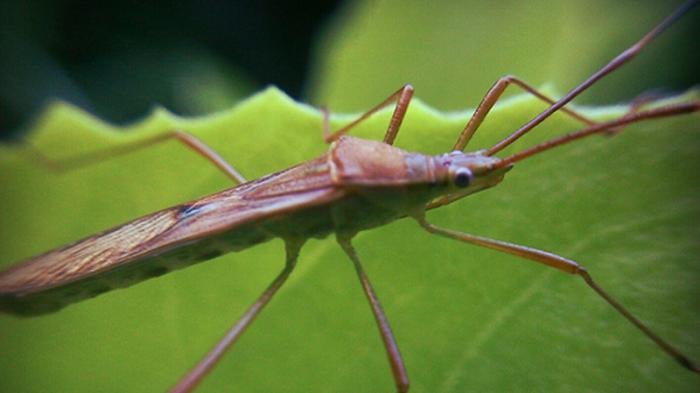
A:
<point x="463" y="178"/>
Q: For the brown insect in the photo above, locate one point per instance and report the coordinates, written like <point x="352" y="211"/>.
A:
<point x="357" y="185"/>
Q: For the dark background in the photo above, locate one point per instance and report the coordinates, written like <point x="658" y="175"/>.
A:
<point x="117" y="59"/>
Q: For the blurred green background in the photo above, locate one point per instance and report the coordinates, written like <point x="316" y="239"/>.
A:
<point x="117" y="59"/>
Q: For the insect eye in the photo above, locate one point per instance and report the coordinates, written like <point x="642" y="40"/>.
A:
<point x="463" y="177"/>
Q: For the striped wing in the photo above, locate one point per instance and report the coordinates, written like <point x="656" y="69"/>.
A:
<point x="163" y="241"/>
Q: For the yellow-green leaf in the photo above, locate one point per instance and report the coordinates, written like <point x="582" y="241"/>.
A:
<point x="466" y="319"/>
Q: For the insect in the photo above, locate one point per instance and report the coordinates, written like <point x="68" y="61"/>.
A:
<point x="330" y="184"/>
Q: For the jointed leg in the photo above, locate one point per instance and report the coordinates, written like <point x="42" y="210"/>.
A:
<point x="492" y="97"/>
<point x="189" y="140"/>
<point x="565" y="265"/>
<point x="195" y="375"/>
<point x="402" y="97"/>
<point x="398" y="369"/>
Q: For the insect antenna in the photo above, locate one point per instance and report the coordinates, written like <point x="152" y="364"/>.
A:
<point x="666" y="111"/>
<point x="627" y="55"/>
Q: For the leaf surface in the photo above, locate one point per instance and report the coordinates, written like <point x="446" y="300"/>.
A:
<point x="466" y="319"/>
<point x="626" y="207"/>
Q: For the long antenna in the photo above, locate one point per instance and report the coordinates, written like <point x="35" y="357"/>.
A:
<point x="614" y="64"/>
<point x="665" y="111"/>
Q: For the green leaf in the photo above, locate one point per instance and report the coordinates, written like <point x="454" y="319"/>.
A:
<point x="626" y="207"/>
<point x="466" y="319"/>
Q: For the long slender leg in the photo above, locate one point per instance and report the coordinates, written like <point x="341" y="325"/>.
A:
<point x="90" y="158"/>
<point x="565" y="265"/>
<point x="493" y="95"/>
<point x="614" y="64"/>
<point x="402" y="97"/>
<point x="398" y="369"/>
<point x="195" y="375"/>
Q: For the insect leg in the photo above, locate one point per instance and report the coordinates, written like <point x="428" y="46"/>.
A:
<point x="565" y="265"/>
<point x="402" y="97"/>
<point x="493" y="95"/>
<point x="194" y="143"/>
<point x="196" y="374"/>
<point x="398" y="369"/>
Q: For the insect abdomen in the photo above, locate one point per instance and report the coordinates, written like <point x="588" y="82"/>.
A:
<point x="54" y="298"/>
